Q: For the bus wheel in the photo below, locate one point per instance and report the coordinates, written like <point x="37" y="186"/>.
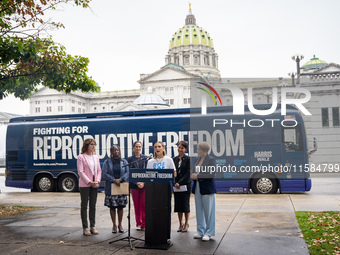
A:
<point x="44" y="183"/>
<point x="264" y="185"/>
<point x="68" y="183"/>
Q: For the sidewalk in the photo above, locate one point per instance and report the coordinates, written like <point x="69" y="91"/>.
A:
<point x="246" y="224"/>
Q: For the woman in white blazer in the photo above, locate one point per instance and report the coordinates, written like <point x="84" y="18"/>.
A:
<point x="90" y="174"/>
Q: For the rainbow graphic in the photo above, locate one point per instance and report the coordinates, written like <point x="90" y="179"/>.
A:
<point x="209" y="93"/>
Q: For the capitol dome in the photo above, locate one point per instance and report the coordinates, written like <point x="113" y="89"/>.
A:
<point x="192" y="47"/>
<point x="191" y="34"/>
<point x="314" y="63"/>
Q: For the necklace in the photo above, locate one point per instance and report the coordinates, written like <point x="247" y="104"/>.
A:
<point x="161" y="160"/>
<point x="158" y="165"/>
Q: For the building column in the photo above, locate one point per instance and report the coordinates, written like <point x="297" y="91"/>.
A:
<point x="180" y="62"/>
<point x="201" y="58"/>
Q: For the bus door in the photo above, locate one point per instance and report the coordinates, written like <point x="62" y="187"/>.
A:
<point x="293" y="157"/>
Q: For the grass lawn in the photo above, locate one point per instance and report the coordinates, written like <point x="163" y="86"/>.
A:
<point x="9" y="210"/>
<point x="321" y="231"/>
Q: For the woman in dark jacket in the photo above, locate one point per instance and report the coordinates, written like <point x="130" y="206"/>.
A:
<point x="204" y="189"/>
<point x="182" y="186"/>
<point x="115" y="171"/>
<point x="138" y="160"/>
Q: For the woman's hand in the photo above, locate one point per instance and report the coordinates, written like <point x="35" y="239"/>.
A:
<point x="140" y="185"/>
<point x="94" y="184"/>
<point x="117" y="181"/>
<point x="177" y="186"/>
<point x="194" y="176"/>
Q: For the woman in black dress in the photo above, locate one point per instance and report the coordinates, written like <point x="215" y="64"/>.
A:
<point x="182" y="186"/>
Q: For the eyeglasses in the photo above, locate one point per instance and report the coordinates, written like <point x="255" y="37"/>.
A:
<point x="93" y="144"/>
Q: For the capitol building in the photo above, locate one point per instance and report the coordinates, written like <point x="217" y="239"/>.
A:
<point x="192" y="57"/>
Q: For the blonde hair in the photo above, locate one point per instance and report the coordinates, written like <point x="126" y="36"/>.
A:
<point x="161" y="143"/>
<point x="204" y="146"/>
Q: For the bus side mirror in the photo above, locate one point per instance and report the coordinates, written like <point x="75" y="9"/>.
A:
<point x="315" y="147"/>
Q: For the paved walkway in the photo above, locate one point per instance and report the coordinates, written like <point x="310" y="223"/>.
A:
<point x="246" y="224"/>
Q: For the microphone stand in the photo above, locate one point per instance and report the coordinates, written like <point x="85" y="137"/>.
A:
<point x="129" y="237"/>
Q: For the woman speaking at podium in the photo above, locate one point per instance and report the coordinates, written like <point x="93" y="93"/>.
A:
<point x="162" y="161"/>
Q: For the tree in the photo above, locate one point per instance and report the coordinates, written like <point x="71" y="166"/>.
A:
<point x="29" y="59"/>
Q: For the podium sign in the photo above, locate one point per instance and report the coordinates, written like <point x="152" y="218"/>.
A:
<point x="157" y="206"/>
<point x="151" y="175"/>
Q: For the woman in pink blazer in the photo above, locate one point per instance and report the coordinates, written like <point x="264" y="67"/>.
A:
<point x="90" y="174"/>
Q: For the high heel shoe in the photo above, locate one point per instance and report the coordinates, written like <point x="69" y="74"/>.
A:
<point x="94" y="231"/>
<point x="86" y="232"/>
<point x="121" y="230"/>
<point x="180" y="229"/>
<point x="185" y="230"/>
<point x="114" y="230"/>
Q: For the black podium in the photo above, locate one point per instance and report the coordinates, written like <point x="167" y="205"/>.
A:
<point x="157" y="208"/>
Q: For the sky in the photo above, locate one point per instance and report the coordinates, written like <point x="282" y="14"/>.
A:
<point x="253" y="38"/>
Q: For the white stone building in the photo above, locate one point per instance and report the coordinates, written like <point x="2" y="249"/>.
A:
<point x="192" y="56"/>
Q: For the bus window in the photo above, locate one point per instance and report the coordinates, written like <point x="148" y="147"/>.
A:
<point x="292" y="138"/>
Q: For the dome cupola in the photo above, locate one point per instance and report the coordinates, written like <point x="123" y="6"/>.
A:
<point x="314" y="63"/>
<point x="192" y="47"/>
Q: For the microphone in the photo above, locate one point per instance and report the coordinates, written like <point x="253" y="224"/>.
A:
<point x="150" y="156"/>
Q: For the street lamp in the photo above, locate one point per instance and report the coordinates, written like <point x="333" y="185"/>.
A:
<point x="292" y="74"/>
<point x="297" y="59"/>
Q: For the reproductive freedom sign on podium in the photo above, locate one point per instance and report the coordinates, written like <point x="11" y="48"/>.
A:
<point x="157" y="206"/>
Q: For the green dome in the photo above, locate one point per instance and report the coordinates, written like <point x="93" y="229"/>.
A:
<point x="191" y="34"/>
<point x="314" y="63"/>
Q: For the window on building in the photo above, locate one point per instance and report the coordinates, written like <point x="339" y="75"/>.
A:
<point x="79" y="110"/>
<point x="196" y="60"/>
<point x="60" y="108"/>
<point x="60" y="100"/>
<point x="103" y="107"/>
<point x="73" y="109"/>
<point x="335" y="113"/>
<point x="79" y="103"/>
<point x="73" y="101"/>
<point x="171" y="101"/>
<point x="83" y="104"/>
<point x="185" y="100"/>
<point x="167" y="101"/>
<point x="166" y="89"/>
<point x="171" y="90"/>
<point x="37" y="102"/>
<point x="83" y="110"/>
<point x="95" y="108"/>
<point x="49" y="109"/>
<point x="37" y="109"/>
<point x="324" y="116"/>
<point x="189" y="100"/>
<point x="49" y="101"/>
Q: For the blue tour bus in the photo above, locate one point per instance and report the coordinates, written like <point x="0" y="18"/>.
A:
<point x="259" y="153"/>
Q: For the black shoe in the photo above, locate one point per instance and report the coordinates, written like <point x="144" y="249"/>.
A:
<point x="185" y="230"/>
